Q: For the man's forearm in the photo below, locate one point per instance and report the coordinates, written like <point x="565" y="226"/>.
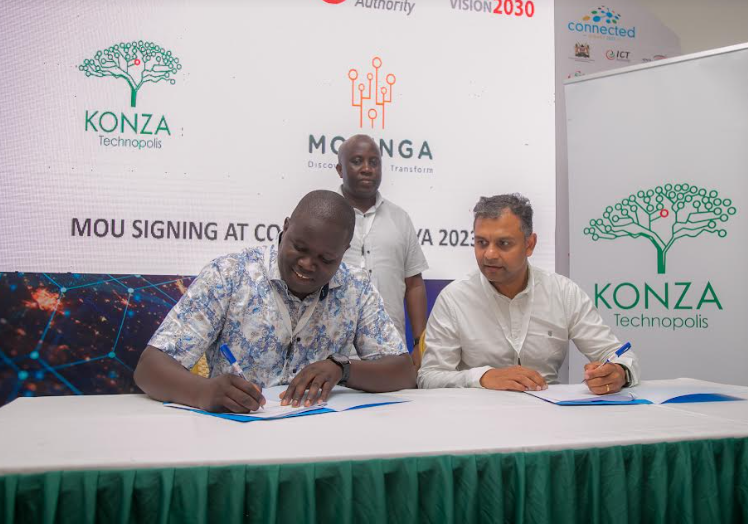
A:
<point x="385" y="374"/>
<point x="442" y="378"/>
<point x="163" y="378"/>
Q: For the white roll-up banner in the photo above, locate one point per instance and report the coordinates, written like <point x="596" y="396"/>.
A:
<point x="658" y="193"/>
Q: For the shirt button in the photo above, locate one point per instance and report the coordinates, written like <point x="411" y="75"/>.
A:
<point x="298" y="339"/>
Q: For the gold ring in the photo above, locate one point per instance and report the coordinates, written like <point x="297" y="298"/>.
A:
<point x="607" y="388"/>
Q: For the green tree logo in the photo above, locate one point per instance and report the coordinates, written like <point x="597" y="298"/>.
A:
<point x="136" y="62"/>
<point x="663" y="215"/>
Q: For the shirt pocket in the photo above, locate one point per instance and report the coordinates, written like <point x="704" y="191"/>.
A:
<point x="546" y="343"/>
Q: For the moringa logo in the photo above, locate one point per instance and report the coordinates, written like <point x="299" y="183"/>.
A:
<point x="136" y="62"/>
<point x="373" y="91"/>
<point x="664" y="215"/>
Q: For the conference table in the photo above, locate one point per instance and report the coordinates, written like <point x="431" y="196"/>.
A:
<point x="447" y="455"/>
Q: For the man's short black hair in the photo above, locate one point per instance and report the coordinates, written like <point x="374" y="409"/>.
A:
<point x="327" y="206"/>
<point x="344" y="146"/>
<point x="493" y="207"/>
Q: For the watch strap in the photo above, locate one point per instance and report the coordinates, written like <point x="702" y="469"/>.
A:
<point x="627" y="372"/>
<point x="344" y="365"/>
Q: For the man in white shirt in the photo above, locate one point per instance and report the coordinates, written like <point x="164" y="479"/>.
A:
<point x="507" y="326"/>
<point x="384" y="243"/>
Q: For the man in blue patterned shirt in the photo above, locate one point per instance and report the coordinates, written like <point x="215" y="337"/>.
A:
<point x="290" y="314"/>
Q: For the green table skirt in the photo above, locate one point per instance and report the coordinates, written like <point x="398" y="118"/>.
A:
<point x="699" y="482"/>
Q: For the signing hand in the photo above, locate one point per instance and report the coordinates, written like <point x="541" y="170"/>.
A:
<point x="319" y="378"/>
<point x="515" y="378"/>
<point x="603" y="379"/>
<point x="230" y="393"/>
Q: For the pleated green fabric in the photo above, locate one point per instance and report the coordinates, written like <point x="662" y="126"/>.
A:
<point x="696" y="482"/>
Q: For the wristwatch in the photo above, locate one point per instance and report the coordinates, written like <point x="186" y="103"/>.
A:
<point x="628" y="376"/>
<point x="344" y="363"/>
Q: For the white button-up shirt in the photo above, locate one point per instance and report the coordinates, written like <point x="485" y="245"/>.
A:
<point x="385" y="244"/>
<point x="473" y="328"/>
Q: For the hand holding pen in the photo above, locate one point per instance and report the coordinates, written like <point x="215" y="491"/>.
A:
<point x="603" y="379"/>
<point x="231" y="393"/>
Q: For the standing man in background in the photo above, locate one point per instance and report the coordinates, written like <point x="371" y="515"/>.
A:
<point x="385" y="242"/>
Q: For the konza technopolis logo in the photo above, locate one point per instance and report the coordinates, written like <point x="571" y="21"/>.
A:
<point x="135" y="64"/>
<point x="602" y="21"/>
<point x="662" y="216"/>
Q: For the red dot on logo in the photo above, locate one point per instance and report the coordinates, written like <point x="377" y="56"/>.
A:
<point x="334" y="1"/>
<point x="137" y="61"/>
<point x="664" y="213"/>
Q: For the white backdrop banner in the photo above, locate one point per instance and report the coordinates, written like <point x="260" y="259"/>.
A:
<point x="657" y="190"/>
<point x="150" y="137"/>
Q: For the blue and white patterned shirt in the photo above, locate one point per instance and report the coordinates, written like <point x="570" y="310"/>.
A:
<point x="231" y="302"/>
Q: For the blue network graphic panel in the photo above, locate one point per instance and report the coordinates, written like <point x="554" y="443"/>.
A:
<point x="63" y="334"/>
<point x="82" y="334"/>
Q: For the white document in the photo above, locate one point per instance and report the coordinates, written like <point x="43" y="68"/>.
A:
<point x="341" y="399"/>
<point x="578" y="393"/>
<point x="648" y="392"/>
<point x="272" y="408"/>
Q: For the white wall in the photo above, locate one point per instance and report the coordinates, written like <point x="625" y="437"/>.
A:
<point x="703" y="24"/>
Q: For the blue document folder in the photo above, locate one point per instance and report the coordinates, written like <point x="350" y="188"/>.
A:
<point x="341" y="399"/>
<point x="650" y="392"/>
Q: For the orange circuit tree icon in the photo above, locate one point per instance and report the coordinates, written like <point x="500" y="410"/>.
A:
<point x="368" y="92"/>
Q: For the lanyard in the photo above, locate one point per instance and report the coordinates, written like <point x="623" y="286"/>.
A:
<point x="286" y="316"/>
<point x="283" y="309"/>
<point x="368" y="222"/>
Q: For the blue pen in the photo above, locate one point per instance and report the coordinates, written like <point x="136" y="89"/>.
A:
<point x="232" y="361"/>
<point x="620" y="351"/>
<point x="238" y="370"/>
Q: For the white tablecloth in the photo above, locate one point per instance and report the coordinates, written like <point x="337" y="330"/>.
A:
<point x="133" y="431"/>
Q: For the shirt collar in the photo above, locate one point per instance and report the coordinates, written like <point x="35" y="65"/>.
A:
<point x="529" y="288"/>
<point x="378" y="202"/>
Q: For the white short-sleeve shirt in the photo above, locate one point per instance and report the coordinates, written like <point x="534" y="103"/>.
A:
<point x="385" y="244"/>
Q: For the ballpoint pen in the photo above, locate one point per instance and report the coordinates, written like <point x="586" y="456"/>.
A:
<point x="620" y="351"/>
<point x="232" y="361"/>
<point x="237" y="370"/>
